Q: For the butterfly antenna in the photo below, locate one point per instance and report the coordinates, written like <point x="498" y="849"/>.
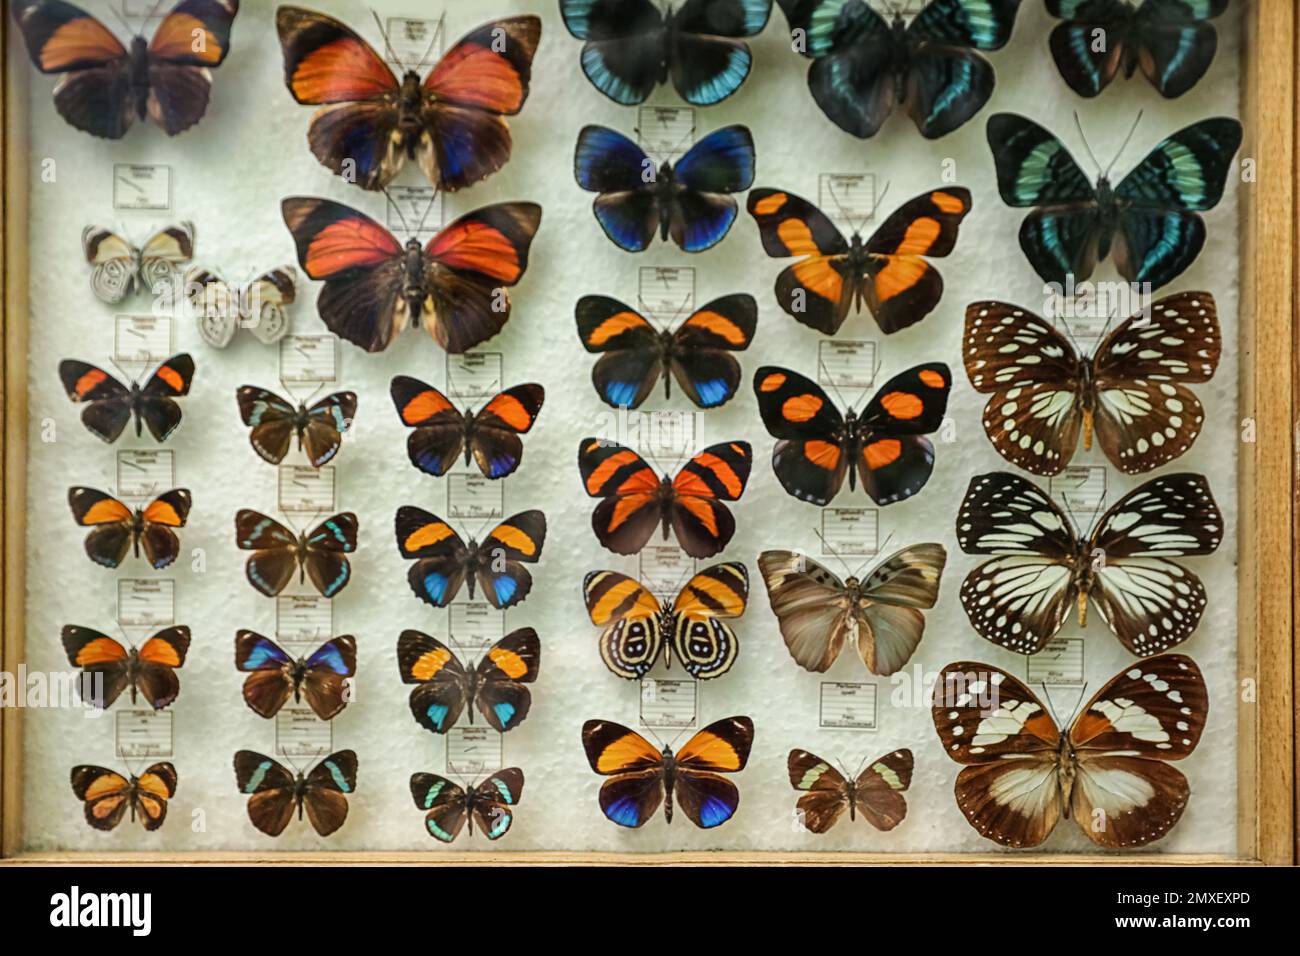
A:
<point x="437" y="36"/>
<point x="1078" y="124"/>
<point x="830" y="380"/>
<point x="121" y="16"/>
<point x="398" y="207"/>
<point x="1047" y="696"/>
<point x="830" y="549"/>
<point x="1124" y="145"/>
<point x="427" y="209"/>
<point x="388" y="46"/>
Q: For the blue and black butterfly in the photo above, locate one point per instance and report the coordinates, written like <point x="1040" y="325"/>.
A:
<point x="1169" y="40"/>
<point x="865" y="67"/>
<point x="632" y="46"/>
<point x="1148" y="223"/>
<point x="445" y="687"/>
<point x="443" y="561"/>
<point x="688" y="200"/>
<point x="274" y="675"/>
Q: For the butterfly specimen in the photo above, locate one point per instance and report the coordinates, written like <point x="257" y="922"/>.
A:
<point x="274" y="422"/>
<point x="120" y="267"/>
<point x="445" y="687"/>
<point x="864" y="67"/>
<point x="1042" y="569"/>
<point x="634" y="354"/>
<point x="275" y="792"/>
<point x="632" y="46"/>
<point x="442" y="433"/>
<point x="639" y="629"/>
<point x="321" y="678"/>
<point x="108" y="795"/>
<point x="635" y="500"/>
<point x="1170" y="40"/>
<point x="885" y="446"/>
<point x="444" y="562"/>
<point x="261" y="306"/>
<point x="110" y="405"/>
<point x="117" y="529"/>
<point x="688" y="201"/>
<point x="1111" y="772"/>
<point x="819" y="614"/>
<point x="104" y="87"/>
<point x="148" y="671"/>
<point x="641" y="776"/>
<point x="448" y="806"/>
<point x="887" y="272"/>
<point x="1149" y="222"/>
<point x="877" y="793"/>
<point x="278" y="552"/>
<point x="1132" y="391"/>
<point x="455" y="285"/>
<point x="370" y="123"/>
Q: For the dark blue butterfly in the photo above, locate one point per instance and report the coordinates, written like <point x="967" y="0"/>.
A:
<point x="865" y="67"/>
<point x="1148" y="223"/>
<point x="632" y="47"/>
<point x="274" y="675"/>
<point x="1169" y="39"/>
<point x="687" y="200"/>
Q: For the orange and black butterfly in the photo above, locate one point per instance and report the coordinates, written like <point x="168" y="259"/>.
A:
<point x="636" y="500"/>
<point x="634" y="354"/>
<point x="117" y="529"/>
<point x="443" y="433"/>
<point x="444" y="561"/>
<point x="446" y="687"/>
<point x="639" y="628"/>
<point x="375" y="286"/>
<point x="887" y="272"/>
<point x="275" y="422"/>
<point x="108" y="795"/>
<point x="885" y="446"/>
<point x="274" y="675"/>
<point x="104" y="87"/>
<point x="110" y="405"/>
<point x="148" y="670"/>
<point x="449" y="806"/>
<point x="278" y="552"/>
<point x="642" y="776"/>
<point x="370" y="123"/>
<point x="876" y="793"/>
<point x="274" y="792"/>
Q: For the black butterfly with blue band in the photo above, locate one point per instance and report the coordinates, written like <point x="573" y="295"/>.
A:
<point x="1149" y="222"/>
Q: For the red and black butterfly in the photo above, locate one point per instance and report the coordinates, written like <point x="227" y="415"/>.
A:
<point x="885" y="446"/>
<point x="443" y="433"/>
<point x="446" y="687"/>
<point x="274" y="675"/>
<point x="449" y="806"/>
<point x="278" y="552"/>
<point x="275" y="422"/>
<point x="834" y="276"/>
<point x="371" y="123"/>
<point x="455" y="285"/>
<point x="444" y="562"/>
<point x="636" y="500"/>
<point x="876" y="793"/>
<point x="108" y="795"/>
<point x="1111" y="772"/>
<point x="634" y="354"/>
<point x="275" y="792"/>
<point x="117" y="529"/>
<point x="105" y="87"/>
<point x="110" y="405"/>
<point x="148" y="670"/>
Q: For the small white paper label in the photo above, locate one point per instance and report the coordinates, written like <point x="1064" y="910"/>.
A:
<point x="668" y="703"/>
<point x="300" y="733"/>
<point x="304" y="617"/>
<point x="143" y="733"/>
<point x="665" y="569"/>
<point x="142" y="186"/>
<point x="475" y="625"/>
<point x="142" y="338"/>
<point x="850" y="531"/>
<point x="847" y="198"/>
<point x="146" y="602"/>
<point x="1059" y="662"/>
<point x="417" y="208"/>
<point x="848" y="706"/>
<point x="473" y="750"/>
<point x="666" y="292"/>
<point x="309" y="359"/>
<point x="144" y="473"/>
<point x="470" y="495"/>
<point x="665" y="132"/>
<point x="414" y="42"/>
<point x="845" y="364"/>
<point x="666" y="436"/>
<point x="1080" y="489"/>
<point x="306" y="489"/>
<point x="474" y="374"/>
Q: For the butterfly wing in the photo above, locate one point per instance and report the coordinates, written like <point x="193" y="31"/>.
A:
<point x="629" y="510"/>
<point x="158" y="409"/>
<point x="495" y="441"/>
<point x="702" y="523"/>
<point x="153" y="789"/>
<point x="159" y="656"/>
<point x="327" y="420"/>
<point x="1145" y="414"/>
<point x="1086" y="65"/>
<point x="878" y="793"/>
<point x="271" y="418"/>
<point x="193" y="38"/>
<point x="444" y="804"/>
<point x="108" y="401"/>
<point x="701" y="359"/>
<point x="97" y="653"/>
<point x="707" y="58"/>
<point x="513" y="543"/>
<point x="439" y="570"/>
<point x="706" y="646"/>
<point x="1175" y="44"/>
<point x="216" y="306"/>
<point x="887" y="616"/>
<point x="443" y="687"/>
<point x="503" y="671"/>
<point x="1020" y="599"/>
<point x="896" y="458"/>
<point x="702" y="209"/>
<point x="630" y="360"/>
<point x="608" y="163"/>
<point x="110" y="521"/>
<point x="106" y="794"/>
<point x="631" y="641"/>
<point x="266" y="301"/>
<point x="438" y="438"/>
<point x="826" y="795"/>
<point x="115" y="263"/>
<point x="635" y="767"/>
<point x="270" y="788"/>
<point x="270" y="672"/>
<point x="325" y="557"/>
<point x="811" y="607"/>
<point x="708" y="799"/>
<point x="159" y="542"/>
<point x="1150" y="602"/>
<point x="275" y="557"/>
<point x="325" y="681"/>
<point x="809" y="458"/>
<point x="166" y="251"/>
<point x="495" y="799"/>
<point x="327" y="785"/>
<point x="624" y="53"/>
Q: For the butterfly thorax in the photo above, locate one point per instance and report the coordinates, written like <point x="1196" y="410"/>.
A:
<point x="132" y="673"/>
<point x="140" y="76"/>
<point x="667" y="352"/>
<point x="666" y="623"/>
<point x="137" y="403"/>
<point x="665" y="494"/>
<point x="850" y="438"/>
<point x="665" y="189"/>
<point x="413" y="285"/>
<point x="900" y="56"/>
<point x="470" y="423"/>
<point x="137" y="528"/>
<point x="410" y="107"/>
<point x="473" y="559"/>
<point x="1067" y="763"/>
<point x="669" y="763"/>
<point x="300" y="792"/>
<point x="296" y="672"/>
<point x="1086" y="398"/>
<point x="1108" y="216"/>
<point x="855" y="268"/>
<point x="1083" y="576"/>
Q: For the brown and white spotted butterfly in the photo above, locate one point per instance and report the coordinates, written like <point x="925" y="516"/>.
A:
<point x="261" y="307"/>
<point x="1111" y="772"/>
<point x="876" y="793"/>
<point x="120" y="267"/>
<point x="1132" y="391"/>
<point x="1042" y="568"/>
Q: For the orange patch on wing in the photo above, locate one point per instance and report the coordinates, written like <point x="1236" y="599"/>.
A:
<point x="770" y="204"/>
<point x="615" y="325"/>
<point x="772" y="382"/>
<point x="102" y="650"/>
<point x="823" y="454"/>
<point x="726" y="600"/>
<point x="801" y="408"/>
<point x="603" y="472"/>
<point x="511" y="664"/>
<point x="819" y="277"/>
<point x="105" y="785"/>
<point x="513" y="537"/>
<point x="79" y="40"/>
<point x="160" y="652"/>
<point x="933" y="379"/>
<point x="343" y="71"/>
<point x="627" y="751"/>
<point x="430" y="534"/>
<point x="511" y="411"/>
<point x="184" y="35"/>
<point x="796" y="237"/>
<point x="152" y="783"/>
<point x="919" y="238"/>
<point x="689" y="482"/>
<point x="947" y="202"/>
<point x="903" y="405"/>
<point x="720" y="326"/>
<point x="625" y="508"/>
<point x="899" y="275"/>
<point x="472" y="75"/>
<point x="106" y="511"/>
<point x="702" y="510"/>
<point x="171" y="377"/>
<point x="89" y="382"/>
<point x="424" y="406"/>
<point x="883" y="452"/>
<point x="161" y="512"/>
<point x="430" y="664"/>
<point x="477" y="247"/>
<point x="349" y="244"/>
<point x="712" y="750"/>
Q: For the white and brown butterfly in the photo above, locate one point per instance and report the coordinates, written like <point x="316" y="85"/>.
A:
<point x="819" y="613"/>
<point x="261" y="307"/>
<point x="1042" y="568"/>
<point x="1132" y="392"/>
<point x="876" y="793"/>
<point x="120" y="266"/>
<point x="1111" y="772"/>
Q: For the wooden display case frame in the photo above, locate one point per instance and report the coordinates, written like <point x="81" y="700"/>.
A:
<point x="1266" y="533"/>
